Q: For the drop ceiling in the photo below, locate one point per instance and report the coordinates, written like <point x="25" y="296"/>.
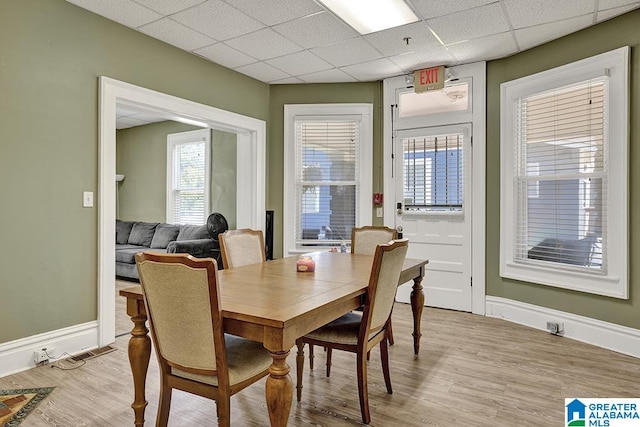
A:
<point x="299" y="41"/>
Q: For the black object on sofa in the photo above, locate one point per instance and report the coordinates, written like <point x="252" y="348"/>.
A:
<point x="565" y="251"/>
<point x="132" y="237"/>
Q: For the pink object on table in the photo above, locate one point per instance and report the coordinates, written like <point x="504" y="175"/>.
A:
<point x="305" y="264"/>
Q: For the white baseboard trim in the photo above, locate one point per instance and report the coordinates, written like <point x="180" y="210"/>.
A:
<point x="621" y="339"/>
<point x="17" y="356"/>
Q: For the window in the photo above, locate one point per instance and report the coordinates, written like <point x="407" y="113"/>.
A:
<point x="327" y="173"/>
<point x="433" y="173"/>
<point x="188" y="176"/>
<point x="454" y="97"/>
<point x="564" y="142"/>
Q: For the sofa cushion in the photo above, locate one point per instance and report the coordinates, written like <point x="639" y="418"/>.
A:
<point x="142" y="233"/>
<point x="165" y="233"/>
<point x="123" y="230"/>
<point x="193" y="232"/>
<point x="127" y="255"/>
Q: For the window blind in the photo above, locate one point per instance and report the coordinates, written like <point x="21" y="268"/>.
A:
<point x="561" y="176"/>
<point x="327" y="152"/>
<point x="189" y="182"/>
<point x="433" y="173"/>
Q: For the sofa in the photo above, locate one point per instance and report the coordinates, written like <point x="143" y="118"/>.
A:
<point x="132" y="237"/>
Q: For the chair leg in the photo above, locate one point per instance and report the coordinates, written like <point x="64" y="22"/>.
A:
<point x="363" y="391"/>
<point x="384" y="356"/>
<point x="164" y="405"/>
<point x="300" y="367"/>
<point x="389" y="332"/>
<point x="311" y="356"/>
<point x="223" y="405"/>
<point x="329" y="361"/>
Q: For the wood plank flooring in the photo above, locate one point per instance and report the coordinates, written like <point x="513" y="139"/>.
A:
<point x="472" y="371"/>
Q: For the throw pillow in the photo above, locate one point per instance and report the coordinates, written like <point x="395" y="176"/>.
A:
<point x="165" y="233"/>
<point x="123" y="229"/>
<point x="193" y="232"/>
<point x="142" y="233"/>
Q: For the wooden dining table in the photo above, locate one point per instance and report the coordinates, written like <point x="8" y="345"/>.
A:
<point x="274" y="304"/>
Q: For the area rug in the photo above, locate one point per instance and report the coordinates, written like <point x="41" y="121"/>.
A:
<point x="15" y="405"/>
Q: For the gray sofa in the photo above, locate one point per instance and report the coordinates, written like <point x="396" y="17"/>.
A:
<point x="137" y="236"/>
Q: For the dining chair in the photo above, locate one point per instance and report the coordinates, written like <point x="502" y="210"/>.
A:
<point x="241" y="247"/>
<point x="364" y="241"/>
<point x="359" y="332"/>
<point x="194" y="354"/>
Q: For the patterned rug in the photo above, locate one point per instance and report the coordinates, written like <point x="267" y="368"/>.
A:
<point x="15" y="405"/>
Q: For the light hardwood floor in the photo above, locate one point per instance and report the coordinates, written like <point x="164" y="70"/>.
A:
<point x="471" y="371"/>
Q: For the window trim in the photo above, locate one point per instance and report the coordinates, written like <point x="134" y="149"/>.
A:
<point x="174" y="139"/>
<point x="365" y="178"/>
<point x="614" y="283"/>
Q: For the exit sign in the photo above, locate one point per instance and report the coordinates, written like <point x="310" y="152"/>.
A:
<point x="428" y="79"/>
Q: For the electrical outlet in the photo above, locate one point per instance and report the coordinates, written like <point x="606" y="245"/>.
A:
<point x="42" y="355"/>
<point x="555" y="328"/>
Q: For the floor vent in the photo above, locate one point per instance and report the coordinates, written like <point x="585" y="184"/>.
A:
<point x="93" y="353"/>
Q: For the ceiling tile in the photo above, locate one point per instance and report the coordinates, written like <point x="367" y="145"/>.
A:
<point x="534" y="36"/>
<point x="168" y="7"/>
<point x="373" y="70"/>
<point x="225" y="55"/>
<point x="264" y="44"/>
<point x="319" y="29"/>
<point x="126" y="12"/>
<point x="484" y="48"/>
<point x="348" y="52"/>
<point x="526" y="13"/>
<point x="610" y="13"/>
<point x="263" y="72"/>
<point x="391" y="42"/>
<point x="434" y="8"/>
<point x="176" y="34"/>
<point x="289" y="80"/>
<point x="423" y="59"/>
<point x="299" y="63"/>
<point x="609" y="4"/>
<point x="276" y="11"/>
<point x="328" y="76"/>
<point x="470" y="24"/>
<point x="218" y="20"/>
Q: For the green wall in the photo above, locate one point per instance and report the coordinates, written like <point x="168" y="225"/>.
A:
<point x="141" y="155"/>
<point x="601" y="38"/>
<point x="315" y="94"/>
<point x="51" y="55"/>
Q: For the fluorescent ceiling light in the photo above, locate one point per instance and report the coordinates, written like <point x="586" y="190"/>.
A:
<point x="368" y="16"/>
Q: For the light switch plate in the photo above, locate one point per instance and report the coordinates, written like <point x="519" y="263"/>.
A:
<point x="87" y="199"/>
<point x="378" y="212"/>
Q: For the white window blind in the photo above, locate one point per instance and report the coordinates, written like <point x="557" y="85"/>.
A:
<point x="326" y="174"/>
<point x="188" y="177"/>
<point x="433" y="172"/>
<point x="560" y="137"/>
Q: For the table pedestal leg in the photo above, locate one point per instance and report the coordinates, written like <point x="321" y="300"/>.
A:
<point x="279" y="389"/>
<point x="139" y="355"/>
<point x="417" y="304"/>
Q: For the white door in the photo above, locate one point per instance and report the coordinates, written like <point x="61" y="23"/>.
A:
<point x="433" y="208"/>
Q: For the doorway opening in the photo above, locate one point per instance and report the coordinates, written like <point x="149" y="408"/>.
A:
<point x="250" y="194"/>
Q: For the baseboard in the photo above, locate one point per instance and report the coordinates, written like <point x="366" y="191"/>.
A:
<point x="614" y="337"/>
<point x="17" y="356"/>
